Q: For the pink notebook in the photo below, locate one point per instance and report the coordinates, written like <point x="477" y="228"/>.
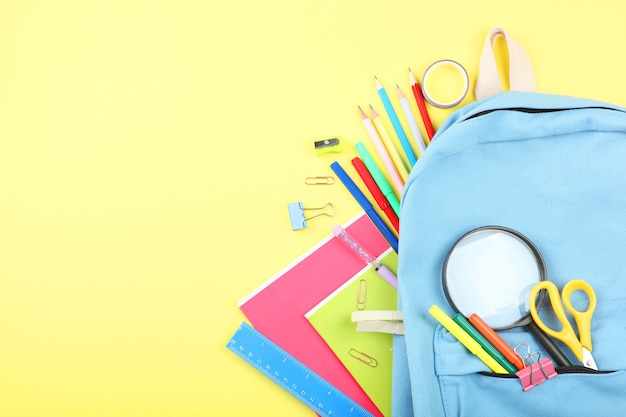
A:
<point x="277" y="307"/>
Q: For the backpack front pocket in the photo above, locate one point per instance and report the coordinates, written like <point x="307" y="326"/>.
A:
<point x="468" y="388"/>
<point x="566" y="395"/>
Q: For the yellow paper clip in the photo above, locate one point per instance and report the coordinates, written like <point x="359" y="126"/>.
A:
<point x="319" y="180"/>
<point x="363" y="357"/>
<point x="361" y="294"/>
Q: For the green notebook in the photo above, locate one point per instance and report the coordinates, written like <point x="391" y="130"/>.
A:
<point x="367" y="356"/>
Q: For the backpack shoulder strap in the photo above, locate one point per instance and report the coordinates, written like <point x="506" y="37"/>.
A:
<point x="521" y="74"/>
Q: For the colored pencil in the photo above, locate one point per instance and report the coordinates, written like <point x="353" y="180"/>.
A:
<point x="408" y="114"/>
<point x="382" y="152"/>
<point x="393" y="153"/>
<point x="391" y="113"/>
<point x="421" y="105"/>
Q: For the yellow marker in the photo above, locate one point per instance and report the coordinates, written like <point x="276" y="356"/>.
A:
<point x="465" y="339"/>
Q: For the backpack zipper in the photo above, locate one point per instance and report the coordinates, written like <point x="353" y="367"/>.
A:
<point x="563" y="370"/>
<point x="532" y="110"/>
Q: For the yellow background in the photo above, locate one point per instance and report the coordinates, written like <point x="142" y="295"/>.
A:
<point x="149" y="149"/>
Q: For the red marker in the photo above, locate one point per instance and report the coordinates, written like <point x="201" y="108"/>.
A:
<point x="378" y="195"/>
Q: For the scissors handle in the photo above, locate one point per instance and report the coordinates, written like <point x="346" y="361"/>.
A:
<point x="566" y="334"/>
<point x="582" y="318"/>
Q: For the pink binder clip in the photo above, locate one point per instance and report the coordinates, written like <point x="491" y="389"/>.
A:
<point x="537" y="371"/>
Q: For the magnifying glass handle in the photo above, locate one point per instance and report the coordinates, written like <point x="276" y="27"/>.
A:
<point x="549" y="345"/>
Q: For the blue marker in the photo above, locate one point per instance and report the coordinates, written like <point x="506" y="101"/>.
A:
<point x="404" y="141"/>
<point x="365" y="205"/>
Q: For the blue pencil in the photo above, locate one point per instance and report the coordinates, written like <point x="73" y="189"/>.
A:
<point x="365" y="205"/>
<point x="404" y="140"/>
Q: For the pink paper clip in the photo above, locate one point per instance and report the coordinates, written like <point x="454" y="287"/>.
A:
<point x="537" y="371"/>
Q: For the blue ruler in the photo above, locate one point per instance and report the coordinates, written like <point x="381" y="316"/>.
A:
<point x="292" y="375"/>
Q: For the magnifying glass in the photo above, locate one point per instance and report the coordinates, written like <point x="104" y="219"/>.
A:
<point x="490" y="271"/>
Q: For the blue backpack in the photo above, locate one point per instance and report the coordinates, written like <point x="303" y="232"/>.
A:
<point x="552" y="168"/>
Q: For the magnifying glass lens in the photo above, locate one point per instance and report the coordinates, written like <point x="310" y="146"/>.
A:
<point x="490" y="272"/>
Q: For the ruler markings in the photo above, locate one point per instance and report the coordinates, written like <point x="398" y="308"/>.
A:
<point x="292" y="375"/>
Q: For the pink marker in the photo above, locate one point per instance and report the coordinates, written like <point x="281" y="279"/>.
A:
<point x="381" y="269"/>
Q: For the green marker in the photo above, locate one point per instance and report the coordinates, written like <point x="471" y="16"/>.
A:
<point x="378" y="176"/>
<point x="482" y="341"/>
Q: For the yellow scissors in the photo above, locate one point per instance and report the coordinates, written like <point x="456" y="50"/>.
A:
<point x="581" y="345"/>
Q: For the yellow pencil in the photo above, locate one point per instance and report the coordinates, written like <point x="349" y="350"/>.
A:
<point x="391" y="149"/>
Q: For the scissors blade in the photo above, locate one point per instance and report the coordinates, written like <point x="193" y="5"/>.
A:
<point x="588" y="360"/>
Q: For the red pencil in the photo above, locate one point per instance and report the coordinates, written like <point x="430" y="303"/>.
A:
<point x="421" y="104"/>
<point x="378" y="195"/>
